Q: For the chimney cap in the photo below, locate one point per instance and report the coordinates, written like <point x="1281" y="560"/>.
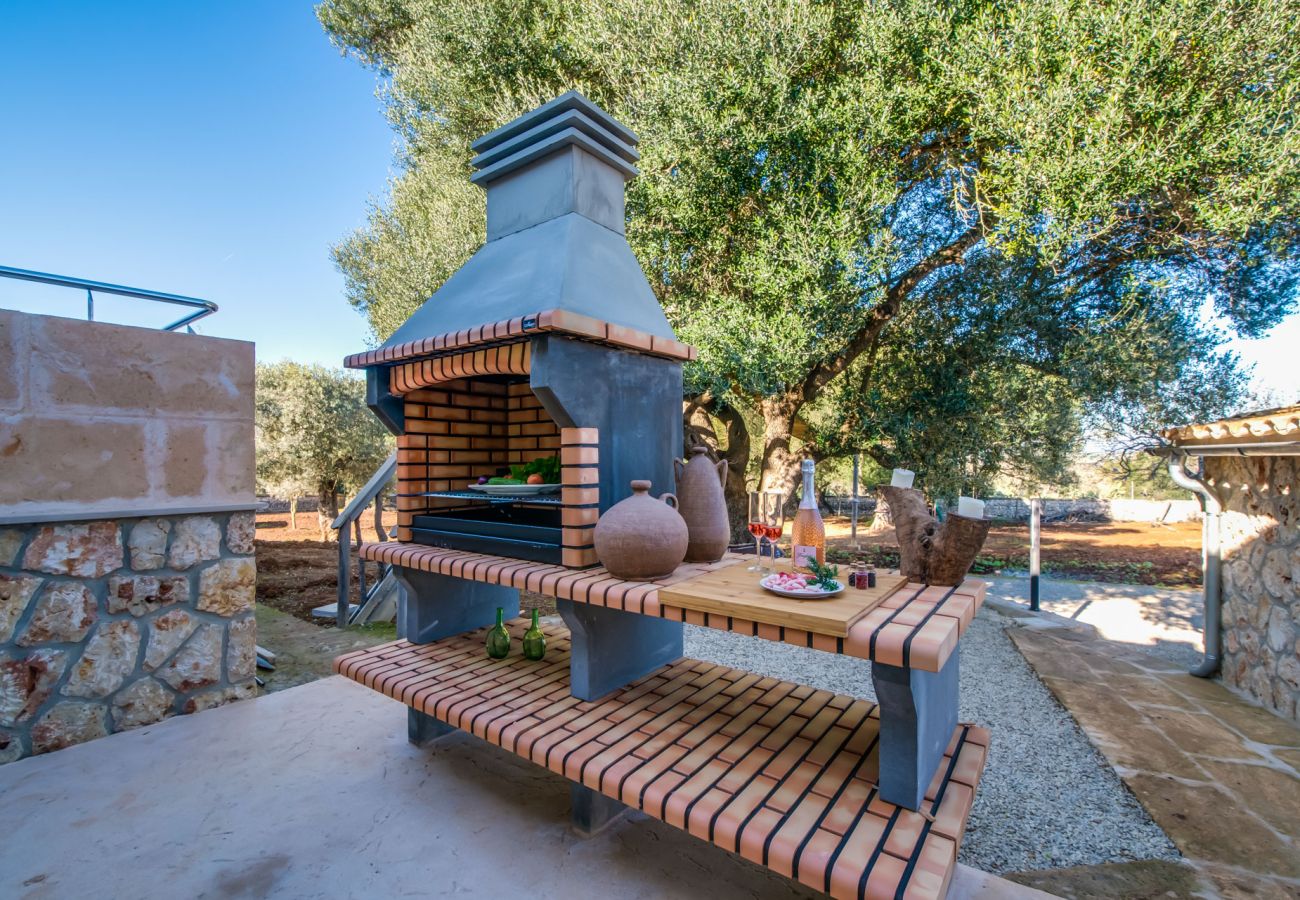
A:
<point x="570" y="119"/>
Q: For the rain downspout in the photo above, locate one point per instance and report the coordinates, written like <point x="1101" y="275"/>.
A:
<point x="1210" y="560"/>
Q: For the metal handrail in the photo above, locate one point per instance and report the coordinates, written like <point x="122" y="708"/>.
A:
<point x="204" y="307"/>
<point x="377" y="482"/>
<point x="348" y="523"/>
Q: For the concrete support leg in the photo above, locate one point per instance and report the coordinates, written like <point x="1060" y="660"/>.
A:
<point x="438" y="606"/>
<point x="612" y="648"/>
<point x="918" y="713"/>
<point x="591" y="811"/>
<point x="422" y="729"/>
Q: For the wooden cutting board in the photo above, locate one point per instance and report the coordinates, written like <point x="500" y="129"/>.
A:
<point x="735" y="592"/>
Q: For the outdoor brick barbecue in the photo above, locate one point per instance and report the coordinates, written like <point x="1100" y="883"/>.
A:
<point x="550" y="341"/>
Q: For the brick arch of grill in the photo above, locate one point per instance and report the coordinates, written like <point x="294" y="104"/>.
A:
<point x="466" y="416"/>
<point x="508" y="359"/>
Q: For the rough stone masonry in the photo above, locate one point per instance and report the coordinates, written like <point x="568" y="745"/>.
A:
<point x="1261" y="577"/>
<point x="113" y="624"/>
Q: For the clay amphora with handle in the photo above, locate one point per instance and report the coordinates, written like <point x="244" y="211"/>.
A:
<point x="702" y="503"/>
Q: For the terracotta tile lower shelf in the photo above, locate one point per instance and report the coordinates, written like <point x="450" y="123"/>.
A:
<point x="780" y="773"/>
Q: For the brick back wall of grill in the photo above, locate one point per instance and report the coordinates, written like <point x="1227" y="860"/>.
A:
<point x="458" y="430"/>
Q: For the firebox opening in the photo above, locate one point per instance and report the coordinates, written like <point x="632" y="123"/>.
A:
<point x="460" y="431"/>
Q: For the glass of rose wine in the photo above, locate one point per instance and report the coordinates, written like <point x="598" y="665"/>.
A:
<point x="773" y="521"/>
<point x="757" y="528"/>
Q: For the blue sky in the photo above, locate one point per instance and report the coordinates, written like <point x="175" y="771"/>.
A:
<point x="217" y="150"/>
<point x="209" y="149"/>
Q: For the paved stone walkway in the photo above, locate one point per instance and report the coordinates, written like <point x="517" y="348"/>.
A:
<point x="1219" y="775"/>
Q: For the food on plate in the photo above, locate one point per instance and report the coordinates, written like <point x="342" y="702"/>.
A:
<point x="820" y="582"/>
<point x="504" y="481"/>
<point x="536" y="479"/>
<point x="789" y="581"/>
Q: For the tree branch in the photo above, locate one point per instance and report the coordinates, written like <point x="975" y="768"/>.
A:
<point x="882" y="315"/>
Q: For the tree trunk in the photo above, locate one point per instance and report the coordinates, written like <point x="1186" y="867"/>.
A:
<point x="327" y="510"/>
<point x="883" y="520"/>
<point x="293" y="513"/>
<point x="931" y="552"/>
<point x="780" y="470"/>
<point x="379" y="517"/>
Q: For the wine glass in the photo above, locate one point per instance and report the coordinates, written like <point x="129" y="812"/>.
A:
<point x="774" y="520"/>
<point x="757" y="527"/>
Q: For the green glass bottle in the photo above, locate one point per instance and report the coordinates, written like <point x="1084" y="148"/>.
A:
<point x="498" y="639"/>
<point x="534" y="641"/>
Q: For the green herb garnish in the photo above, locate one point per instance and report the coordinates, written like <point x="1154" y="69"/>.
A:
<point x="826" y="576"/>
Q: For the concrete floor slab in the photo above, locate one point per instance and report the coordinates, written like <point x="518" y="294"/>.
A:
<point x="1167" y="621"/>
<point x="314" y="792"/>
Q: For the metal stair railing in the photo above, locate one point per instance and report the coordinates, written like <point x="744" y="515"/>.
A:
<point x="348" y="526"/>
<point x="203" y="307"/>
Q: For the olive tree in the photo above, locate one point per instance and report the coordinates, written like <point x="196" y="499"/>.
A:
<point x="315" y="435"/>
<point x="942" y="233"/>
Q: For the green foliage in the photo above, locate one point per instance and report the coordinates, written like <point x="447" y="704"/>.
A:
<point x="314" y="432"/>
<point x="826" y="575"/>
<point x="952" y="234"/>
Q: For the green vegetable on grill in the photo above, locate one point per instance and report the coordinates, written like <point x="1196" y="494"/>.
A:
<point x="548" y="467"/>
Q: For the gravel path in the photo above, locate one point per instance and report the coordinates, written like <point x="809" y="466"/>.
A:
<point x="1047" y="799"/>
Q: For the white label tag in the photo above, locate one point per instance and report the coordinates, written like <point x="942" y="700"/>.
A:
<point x="803" y="553"/>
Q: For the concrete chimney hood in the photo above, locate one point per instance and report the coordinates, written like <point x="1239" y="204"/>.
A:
<point x="555" y="238"/>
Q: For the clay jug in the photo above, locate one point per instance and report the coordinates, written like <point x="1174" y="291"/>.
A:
<point x="703" y="505"/>
<point x="642" y="537"/>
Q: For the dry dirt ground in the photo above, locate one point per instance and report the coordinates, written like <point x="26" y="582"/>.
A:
<point x="1120" y="552"/>
<point x="297" y="571"/>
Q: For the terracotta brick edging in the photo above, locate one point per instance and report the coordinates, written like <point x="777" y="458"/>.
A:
<point x="113" y="624"/>
<point x="917" y="627"/>
<point x="557" y="320"/>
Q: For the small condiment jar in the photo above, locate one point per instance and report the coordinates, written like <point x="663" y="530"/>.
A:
<point x="869" y="576"/>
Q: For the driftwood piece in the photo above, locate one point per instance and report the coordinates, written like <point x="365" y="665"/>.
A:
<point x="932" y="552"/>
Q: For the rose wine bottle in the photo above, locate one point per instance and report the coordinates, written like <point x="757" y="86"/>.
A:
<point x="807" y="533"/>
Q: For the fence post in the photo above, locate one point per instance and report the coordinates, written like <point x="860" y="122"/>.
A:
<point x="1035" y="546"/>
<point x="853" y="526"/>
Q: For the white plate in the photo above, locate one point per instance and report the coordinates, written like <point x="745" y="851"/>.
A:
<point x="812" y="594"/>
<point x="514" y="490"/>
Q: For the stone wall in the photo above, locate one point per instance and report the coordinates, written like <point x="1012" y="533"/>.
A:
<point x="127" y="575"/>
<point x="1261" y="577"/>
<point x="1113" y="510"/>
<point x="114" y="624"/>
<point x="99" y="421"/>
